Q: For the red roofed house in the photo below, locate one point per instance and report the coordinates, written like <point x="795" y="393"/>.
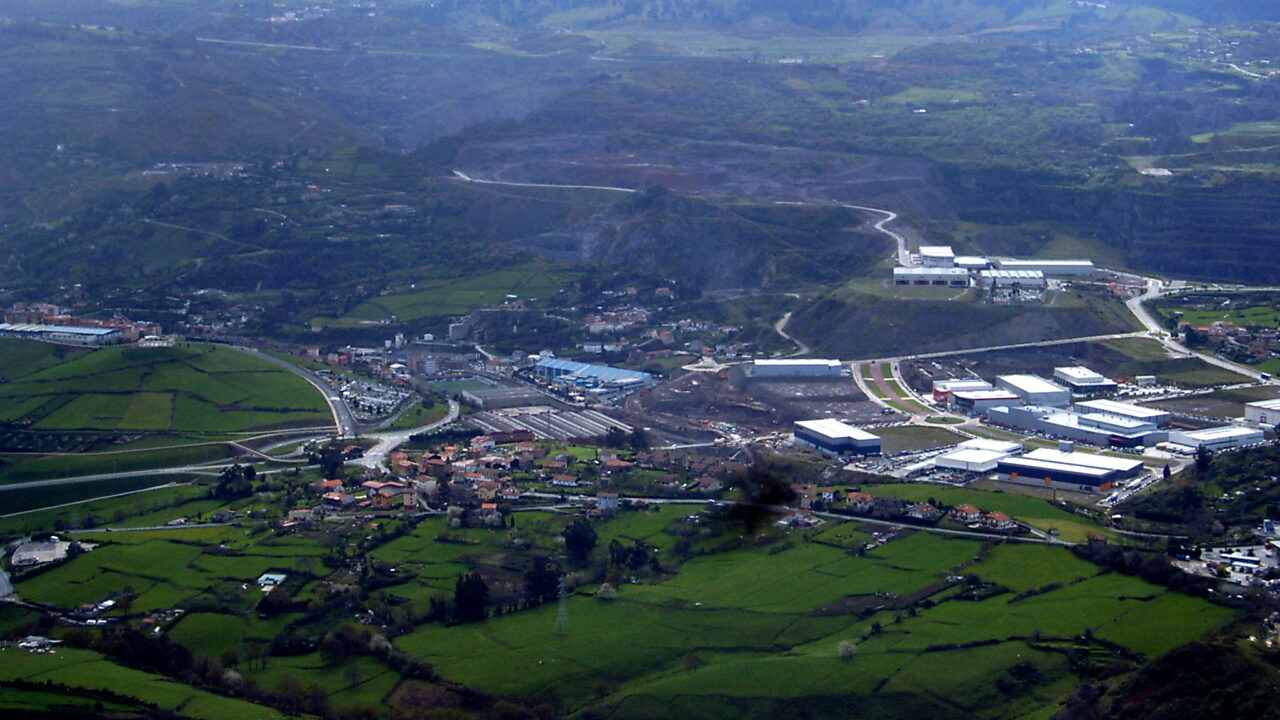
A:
<point x="922" y="511"/>
<point x="999" y="521"/>
<point x="965" y="514"/>
<point x="859" y="502"/>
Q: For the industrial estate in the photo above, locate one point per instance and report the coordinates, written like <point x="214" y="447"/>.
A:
<point x="735" y="359"/>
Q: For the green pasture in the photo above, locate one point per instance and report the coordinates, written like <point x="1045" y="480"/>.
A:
<point x="455" y="295"/>
<point x="164" y="568"/>
<point x="187" y="388"/>
<point x="90" y="671"/>
<point x="914" y="437"/>
<point x="739" y="626"/>
<point x="1033" y="511"/>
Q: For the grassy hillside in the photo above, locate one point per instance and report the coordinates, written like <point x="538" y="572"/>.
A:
<point x="866" y="319"/>
<point x="187" y="388"/>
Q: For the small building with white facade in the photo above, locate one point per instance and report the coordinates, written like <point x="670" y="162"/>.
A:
<point x="977" y="402"/>
<point x="1263" y="412"/>
<point x="1155" y="416"/>
<point x="969" y="460"/>
<point x="1082" y="380"/>
<point x="931" y="276"/>
<point x="937" y="256"/>
<point x="1218" y="438"/>
<point x="833" y="437"/>
<point x="792" y="368"/>
<point x="942" y="389"/>
<point x="1035" y="390"/>
<point x="1051" y="268"/>
<point x="1026" y="279"/>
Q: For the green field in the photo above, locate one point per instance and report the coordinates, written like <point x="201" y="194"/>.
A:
<point x="1032" y="511"/>
<point x="1219" y="403"/>
<point x="453" y="295"/>
<point x="914" y="437"/>
<point x="85" y="670"/>
<point x="736" y="634"/>
<point x="189" y="388"/>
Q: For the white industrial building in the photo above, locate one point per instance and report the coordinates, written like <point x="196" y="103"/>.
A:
<point x="977" y="402"/>
<point x="836" y="438"/>
<point x="1002" y="278"/>
<point x="969" y="460"/>
<point x="1263" y="412"/>
<point x="1137" y="412"/>
<point x="1008" y="447"/>
<point x="937" y="256"/>
<point x="1125" y="468"/>
<point x="70" y="335"/>
<point x="804" y="368"/>
<point x="1083" y="380"/>
<point x="931" y="275"/>
<point x="1095" y="428"/>
<point x="1051" y="268"/>
<point x="971" y="262"/>
<point x="1218" y="438"/>
<point x="942" y="389"/>
<point x="1035" y="390"/>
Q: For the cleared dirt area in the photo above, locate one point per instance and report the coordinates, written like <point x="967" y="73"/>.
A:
<point x="759" y="404"/>
<point x="1220" y="403"/>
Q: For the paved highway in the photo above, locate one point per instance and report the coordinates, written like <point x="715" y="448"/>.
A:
<point x="375" y="456"/>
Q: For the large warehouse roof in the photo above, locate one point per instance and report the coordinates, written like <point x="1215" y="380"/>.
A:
<point x="1001" y="446"/>
<point x="1024" y="465"/>
<point x="835" y="429"/>
<point x="601" y="372"/>
<point x="1080" y="375"/>
<point x="1030" y="384"/>
<point x="1104" y="462"/>
<point x="797" y="363"/>
<point x="1111" y="407"/>
<point x="29" y="328"/>
<point x="1265" y="404"/>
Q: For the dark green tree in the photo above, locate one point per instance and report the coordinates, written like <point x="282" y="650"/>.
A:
<point x="470" y="594"/>
<point x="579" y="540"/>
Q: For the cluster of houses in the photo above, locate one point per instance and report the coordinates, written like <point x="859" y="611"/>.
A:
<point x="891" y="508"/>
<point x="1259" y="343"/>
<point x="482" y="475"/>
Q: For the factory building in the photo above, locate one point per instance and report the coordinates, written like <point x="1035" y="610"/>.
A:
<point x="585" y="375"/>
<point x="1263" y="412"/>
<point x="1025" y="279"/>
<point x="977" y="402"/>
<point x="62" y="334"/>
<point x="932" y="276"/>
<point x="1007" y="447"/>
<point x="970" y="262"/>
<point x="1083" y="381"/>
<point x="1156" y="417"/>
<point x="937" y="256"/>
<point x="942" y="389"/>
<point x="1051" y="268"/>
<point x="797" y="369"/>
<point x="1080" y="478"/>
<point x="1035" y="390"/>
<point x="1218" y="438"/>
<point x="970" y="461"/>
<point x="836" y="438"/>
<point x="1125" y="468"/>
<point x="503" y="397"/>
<point x="1095" y="428"/>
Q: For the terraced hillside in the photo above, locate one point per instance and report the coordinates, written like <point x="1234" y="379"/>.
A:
<point x="184" y="389"/>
